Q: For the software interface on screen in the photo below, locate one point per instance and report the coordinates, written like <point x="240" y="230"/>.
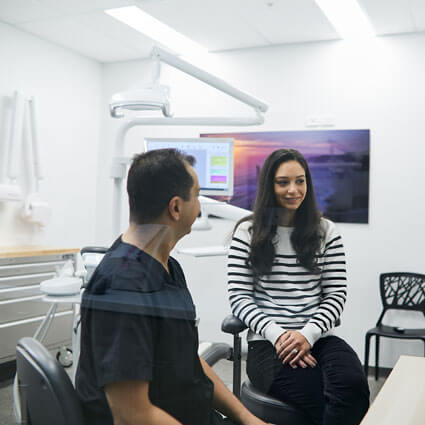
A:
<point x="214" y="161"/>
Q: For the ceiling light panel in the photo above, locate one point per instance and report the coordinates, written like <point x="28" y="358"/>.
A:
<point x="139" y="20"/>
<point x="286" y="21"/>
<point x="76" y="7"/>
<point x="417" y="11"/>
<point x="205" y="22"/>
<point x="390" y="16"/>
<point x="348" y="18"/>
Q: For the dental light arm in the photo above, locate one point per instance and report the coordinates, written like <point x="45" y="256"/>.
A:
<point x="223" y="210"/>
<point x="15" y="135"/>
<point x="219" y="209"/>
<point x="38" y="173"/>
<point x="155" y="96"/>
<point x="204" y="76"/>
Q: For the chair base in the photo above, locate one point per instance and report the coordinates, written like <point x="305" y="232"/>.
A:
<point x="270" y="409"/>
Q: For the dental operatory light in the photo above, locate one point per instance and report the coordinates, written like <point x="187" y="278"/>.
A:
<point x="131" y="100"/>
<point x="146" y="24"/>
<point x="155" y="96"/>
<point x="150" y="98"/>
<point x="348" y="18"/>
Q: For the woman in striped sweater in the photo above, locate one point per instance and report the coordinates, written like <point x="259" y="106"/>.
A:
<point x="287" y="283"/>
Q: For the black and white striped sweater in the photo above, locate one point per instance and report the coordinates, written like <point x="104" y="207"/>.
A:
<point x="290" y="297"/>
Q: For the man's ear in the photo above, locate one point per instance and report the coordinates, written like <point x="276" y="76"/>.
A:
<point x="175" y="207"/>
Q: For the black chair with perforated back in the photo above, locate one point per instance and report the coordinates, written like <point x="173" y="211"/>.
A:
<point x="47" y="395"/>
<point x="268" y="408"/>
<point x="399" y="291"/>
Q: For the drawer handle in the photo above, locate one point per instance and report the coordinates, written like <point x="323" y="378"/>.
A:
<point x="20" y="300"/>
<point x="27" y="276"/>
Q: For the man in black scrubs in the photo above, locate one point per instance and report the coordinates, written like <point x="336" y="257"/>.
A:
<point x="139" y="340"/>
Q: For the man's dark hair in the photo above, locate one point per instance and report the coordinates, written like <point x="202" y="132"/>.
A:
<point x="154" y="178"/>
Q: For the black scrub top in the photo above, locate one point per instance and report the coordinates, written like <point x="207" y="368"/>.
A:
<point x="138" y="322"/>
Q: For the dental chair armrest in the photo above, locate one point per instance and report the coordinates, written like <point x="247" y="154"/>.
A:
<point x="93" y="250"/>
<point x="213" y="352"/>
<point x="232" y="325"/>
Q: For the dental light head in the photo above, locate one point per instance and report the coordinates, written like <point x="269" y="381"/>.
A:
<point x="156" y="96"/>
<point x="150" y="98"/>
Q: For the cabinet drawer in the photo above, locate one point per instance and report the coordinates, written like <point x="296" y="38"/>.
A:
<point x="12" y="310"/>
<point x="30" y="268"/>
<point x="8" y="282"/>
<point x="59" y="332"/>
<point x="36" y="259"/>
<point x="20" y="292"/>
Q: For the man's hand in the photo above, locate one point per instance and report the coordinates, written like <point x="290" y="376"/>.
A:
<point x="293" y="349"/>
<point x="253" y="420"/>
<point x="225" y="401"/>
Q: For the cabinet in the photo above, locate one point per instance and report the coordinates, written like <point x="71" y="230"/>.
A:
<point x="22" y="268"/>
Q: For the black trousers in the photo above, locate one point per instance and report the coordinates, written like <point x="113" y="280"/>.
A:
<point x="335" y="392"/>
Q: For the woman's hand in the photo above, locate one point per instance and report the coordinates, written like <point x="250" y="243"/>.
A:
<point x="305" y="361"/>
<point x="294" y="349"/>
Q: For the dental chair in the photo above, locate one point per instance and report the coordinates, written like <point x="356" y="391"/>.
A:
<point x="268" y="408"/>
<point x="58" y="291"/>
<point x="46" y="391"/>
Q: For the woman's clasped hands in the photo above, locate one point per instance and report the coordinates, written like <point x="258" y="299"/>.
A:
<point x="293" y="348"/>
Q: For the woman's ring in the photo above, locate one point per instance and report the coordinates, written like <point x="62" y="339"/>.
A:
<point x="294" y="350"/>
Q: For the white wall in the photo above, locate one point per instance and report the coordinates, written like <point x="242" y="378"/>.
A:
<point x="67" y="88"/>
<point x="379" y="87"/>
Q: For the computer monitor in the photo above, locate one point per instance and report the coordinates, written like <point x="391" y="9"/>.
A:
<point x="214" y="161"/>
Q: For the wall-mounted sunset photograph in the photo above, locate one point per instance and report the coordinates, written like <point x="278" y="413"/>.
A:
<point x="338" y="160"/>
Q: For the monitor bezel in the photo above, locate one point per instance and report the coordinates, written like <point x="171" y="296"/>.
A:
<point x="228" y="140"/>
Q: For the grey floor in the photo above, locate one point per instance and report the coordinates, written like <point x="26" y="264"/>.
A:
<point x="223" y="369"/>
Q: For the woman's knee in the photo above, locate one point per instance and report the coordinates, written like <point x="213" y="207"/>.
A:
<point x="342" y="368"/>
<point x="354" y="387"/>
<point x="357" y="380"/>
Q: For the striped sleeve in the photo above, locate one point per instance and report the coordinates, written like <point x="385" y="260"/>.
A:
<point x="333" y="285"/>
<point x="241" y="289"/>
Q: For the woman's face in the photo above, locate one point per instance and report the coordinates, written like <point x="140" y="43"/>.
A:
<point x="290" y="185"/>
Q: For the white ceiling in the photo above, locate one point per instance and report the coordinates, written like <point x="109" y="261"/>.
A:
<point x="82" y="26"/>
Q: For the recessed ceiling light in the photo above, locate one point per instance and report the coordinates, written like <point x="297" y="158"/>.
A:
<point x="347" y="17"/>
<point x="139" y="20"/>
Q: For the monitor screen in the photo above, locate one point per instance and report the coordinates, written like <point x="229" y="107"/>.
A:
<point x="214" y="161"/>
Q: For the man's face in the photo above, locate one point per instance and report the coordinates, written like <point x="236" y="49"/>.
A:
<point x="191" y="208"/>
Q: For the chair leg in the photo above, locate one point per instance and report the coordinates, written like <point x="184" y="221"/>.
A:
<point x="376" y="357"/>
<point x="366" y="355"/>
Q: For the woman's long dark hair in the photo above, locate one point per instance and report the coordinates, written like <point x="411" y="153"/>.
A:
<point x="306" y="237"/>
